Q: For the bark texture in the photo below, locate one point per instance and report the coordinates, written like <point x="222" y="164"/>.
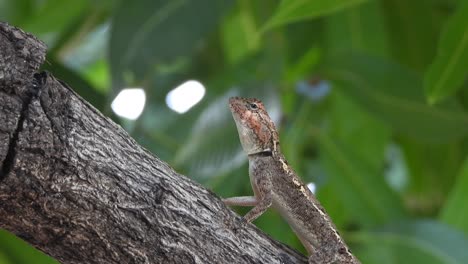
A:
<point x="78" y="187"/>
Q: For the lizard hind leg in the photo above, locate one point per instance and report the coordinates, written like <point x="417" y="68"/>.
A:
<point x="308" y="246"/>
<point x="310" y="249"/>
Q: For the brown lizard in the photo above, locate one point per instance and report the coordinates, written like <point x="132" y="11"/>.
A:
<point x="275" y="184"/>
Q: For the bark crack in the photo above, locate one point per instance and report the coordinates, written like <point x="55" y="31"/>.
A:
<point x="9" y="160"/>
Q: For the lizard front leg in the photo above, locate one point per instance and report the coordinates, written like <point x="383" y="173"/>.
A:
<point x="261" y="201"/>
<point x="264" y="202"/>
<point x="241" y="201"/>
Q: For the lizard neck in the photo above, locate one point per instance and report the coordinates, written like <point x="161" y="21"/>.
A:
<point x="265" y="153"/>
<point x="275" y="152"/>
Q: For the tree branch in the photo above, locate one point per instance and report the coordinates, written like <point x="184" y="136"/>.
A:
<point x="76" y="186"/>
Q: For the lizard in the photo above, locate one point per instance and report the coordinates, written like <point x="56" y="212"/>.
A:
<point x="275" y="184"/>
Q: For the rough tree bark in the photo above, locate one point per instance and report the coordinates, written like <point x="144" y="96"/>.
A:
<point x="76" y="186"/>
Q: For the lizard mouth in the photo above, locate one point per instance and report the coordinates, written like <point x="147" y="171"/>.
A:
<point x="233" y="100"/>
<point x="234" y="103"/>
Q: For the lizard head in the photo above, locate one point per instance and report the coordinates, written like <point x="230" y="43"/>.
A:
<point x="256" y="130"/>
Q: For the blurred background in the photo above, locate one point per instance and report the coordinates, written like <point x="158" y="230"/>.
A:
<point x="370" y="97"/>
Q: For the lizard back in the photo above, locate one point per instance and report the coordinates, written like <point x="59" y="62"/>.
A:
<point x="299" y="207"/>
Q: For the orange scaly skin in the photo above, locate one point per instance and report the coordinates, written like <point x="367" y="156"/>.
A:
<point x="275" y="184"/>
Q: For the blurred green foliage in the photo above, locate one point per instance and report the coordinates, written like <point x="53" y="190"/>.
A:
<point x="370" y="97"/>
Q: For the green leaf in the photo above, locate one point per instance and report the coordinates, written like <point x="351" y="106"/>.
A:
<point x="295" y="10"/>
<point x="52" y="16"/>
<point x="303" y="67"/>
<point x="425" y="164"/>
<point x="19" y="251"/>
<point x="240" y="34"/>
<point x="98" y="75"/>
<point x="423" y="241"/>
<point x="360" y="28"/>
<point x="394" y="94"/>
<point x="148" y="32"/>
<point x="455" y="211"/>
<point x="450" y="68"/>
<point x="412" y="31"/>
<point x="15" y="12"/>
<point x="4" y="259"/>
<point x="365" y="134"/>
<point x="362" y="189"/>
<point x="336" y="209"/>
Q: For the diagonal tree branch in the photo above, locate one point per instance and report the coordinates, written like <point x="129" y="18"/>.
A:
<point x="76" y="186"/>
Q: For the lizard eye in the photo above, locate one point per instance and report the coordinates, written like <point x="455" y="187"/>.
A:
<point x="253" y="106"/>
